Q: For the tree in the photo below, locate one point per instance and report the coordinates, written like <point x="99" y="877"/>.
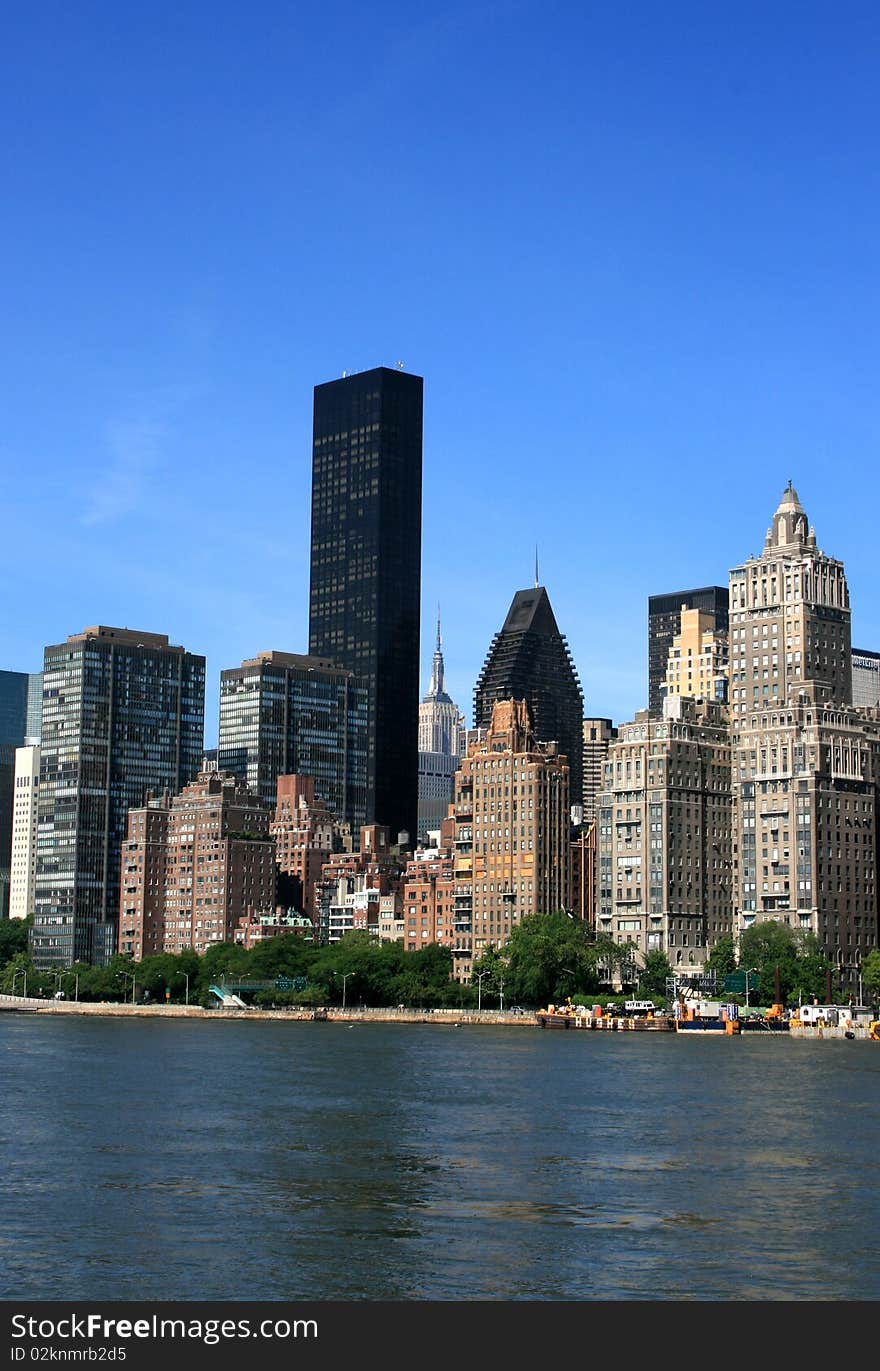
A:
<point x="723" y="958"/>
<point x="803" y="968"/>
<point x="549" y="957"/>
<point x="871" y="973"/>
<point x="653" y="978"/>
<point x="13" y="938"/>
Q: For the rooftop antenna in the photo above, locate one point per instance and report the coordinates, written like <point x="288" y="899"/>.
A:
<point x="537" y="582"/>
<point x="399" y="366"/>
<point x="438" y="626"/>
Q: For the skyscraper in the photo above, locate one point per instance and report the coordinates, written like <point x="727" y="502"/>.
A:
<point x="530" y="660"/>
<point x="441" y="746"/>
<point x="20" y="704"/>
<point x="806" y="762"/>
<point x="366" y="567"/>
<point x="282" y="714"/>
<point x="124" y="713"/>
<point x="664" y="623"/>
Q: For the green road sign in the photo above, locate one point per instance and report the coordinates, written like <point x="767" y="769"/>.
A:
<point x="284" y="983"/>
<point x="736" y="983"/>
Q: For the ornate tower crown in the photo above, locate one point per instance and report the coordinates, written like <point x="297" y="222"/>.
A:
<point x="789" y="526"/>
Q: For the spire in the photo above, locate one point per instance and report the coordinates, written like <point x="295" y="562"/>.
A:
<point x="537" y="582"/>
<point x="437" y="668"/>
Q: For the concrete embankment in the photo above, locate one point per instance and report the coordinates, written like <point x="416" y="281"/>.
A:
<point x="334" y="1014"/>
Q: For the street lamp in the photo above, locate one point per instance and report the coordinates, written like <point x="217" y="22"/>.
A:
<point x="15" y="978"/>
<point x="186" y="1001"/>
<point x="130" y="976"/>
<point x="501" y="994"/>
<point x="479" y="978"/>
<point x="753" y="970"/>
<point x="345" y="975"/>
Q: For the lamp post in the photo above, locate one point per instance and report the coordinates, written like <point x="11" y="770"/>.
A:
<point x="501" y="995"/>
<point x="130" y="976"/>
<point x="753" y="970"/>
<point x="479" y="979"/>
<point x="345" y="975"/>
<point x="15" y="977"/>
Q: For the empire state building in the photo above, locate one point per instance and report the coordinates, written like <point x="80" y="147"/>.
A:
<point x="441" y="732"/>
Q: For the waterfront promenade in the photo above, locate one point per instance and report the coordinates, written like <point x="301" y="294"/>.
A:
<point x="449" y="1018"/>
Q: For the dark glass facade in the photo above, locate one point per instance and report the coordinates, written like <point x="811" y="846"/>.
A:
<point x="282" y="715"/>
<point x="664" y="622"/>
<point x="13" y="726"/>
<point x="366" y="567"/>
<point x="123" y="714"/>
<point x="530" y="660"/>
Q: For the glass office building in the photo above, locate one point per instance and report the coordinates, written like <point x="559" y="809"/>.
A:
<point x="123" y="715"/>
<point x="366" y="567"/>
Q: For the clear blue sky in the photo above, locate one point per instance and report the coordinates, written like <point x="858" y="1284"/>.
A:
<point x="632" y="248"/>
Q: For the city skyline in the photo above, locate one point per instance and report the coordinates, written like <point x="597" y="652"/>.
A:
<point x="640" y="287"/>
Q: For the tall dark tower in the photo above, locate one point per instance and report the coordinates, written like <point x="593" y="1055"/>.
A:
<point x="530" y="660"/>
<point x="366" y="567"/>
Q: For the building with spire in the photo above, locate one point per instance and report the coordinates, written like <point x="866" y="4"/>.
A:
<point x="441" y="745"/>
<point x="806" y="763"/>
<point x="530" y="660"/>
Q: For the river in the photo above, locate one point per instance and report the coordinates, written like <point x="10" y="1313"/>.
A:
<point x="179" y="1160"/>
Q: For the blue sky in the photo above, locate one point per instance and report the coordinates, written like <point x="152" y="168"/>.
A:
<point x="632" y="248"/>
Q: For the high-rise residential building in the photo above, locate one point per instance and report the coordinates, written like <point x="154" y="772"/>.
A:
<point x="20" y="704"/>
<point x="664" y="622"/>
<point x="865" y="678"/>
<point x="441" y="746"/>
<point x="698" y="659"/>
<point x="806" y="762"/>
<point x="512" y="820"/>
<point x="282" y="715"/>
<point x="530" y="660"/>
<point x="23" y="866"/>
<point x="664" y="844"/>
<point x="306" y="834"/>
<point x="193" y="865"/>
<point x="792" y="618"/>
<point x="599" y="734"/>
<point x="123" y="714"/>
<point x="366" y="567"/>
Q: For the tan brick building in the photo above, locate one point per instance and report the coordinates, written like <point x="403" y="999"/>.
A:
<point x="665" y="847"/>
<point x="193" y="864"/>
<point x="698" y="659"/>
<point x="512" y="822"/>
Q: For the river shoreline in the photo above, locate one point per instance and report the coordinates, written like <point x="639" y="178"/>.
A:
<point x="448" y="1018"/>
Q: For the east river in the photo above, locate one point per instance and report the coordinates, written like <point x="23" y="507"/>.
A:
<point x="307" y="1161"/>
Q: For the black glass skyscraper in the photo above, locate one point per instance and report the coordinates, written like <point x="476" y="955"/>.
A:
<point x="366" y="567"/>
<point x="530" y="660"/>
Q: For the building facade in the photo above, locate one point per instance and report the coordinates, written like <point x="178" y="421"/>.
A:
<point x="599" y="734"/>
<point x="283" y="715"/>
<point x="805" y="759"/>
<point x="123" y="714"/>
<point x="20" y="712"/>
<point x="512" y="821"/>
<point x="193" y="866"/>
<point x="23" y="865"/>
<point x="306" y="835"/>
<point x="664" y="622"/>
<point x="365" y="591"/>
<point x="441" y="746"/>
<point x="866" y="678"/>
<point x="664" y="853"/>
<point x="530" y="660"/>
<point x="698" y="664"/>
